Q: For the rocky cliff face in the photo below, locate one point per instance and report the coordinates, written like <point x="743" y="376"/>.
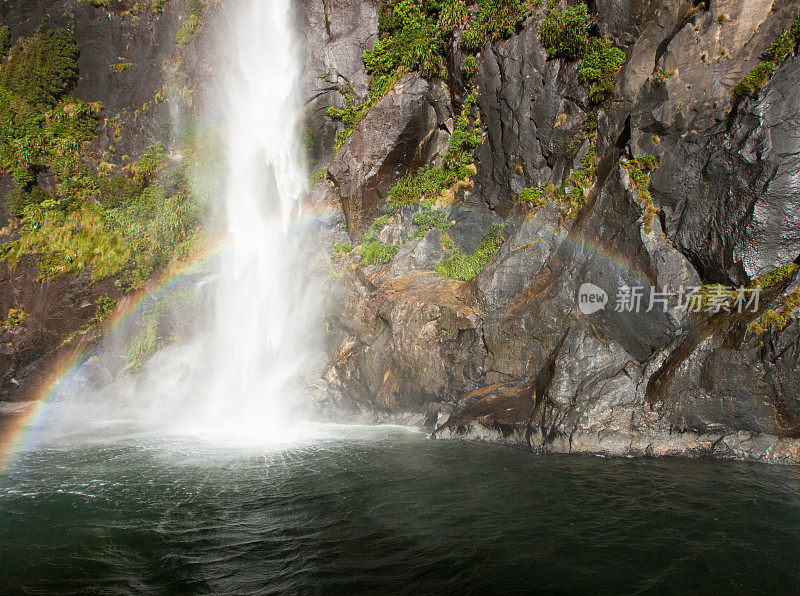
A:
<point x="479" y="179"/>
<point x="693" y="186"/>
<point x="132" y="68"/>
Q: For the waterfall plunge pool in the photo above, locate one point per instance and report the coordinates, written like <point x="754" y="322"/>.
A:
<point x="384" y="509"/>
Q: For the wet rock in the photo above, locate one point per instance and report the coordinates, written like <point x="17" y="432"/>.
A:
<point x="533" y="110"/>
<point x="404" y="130"/>
<point x="336" y="35"/>
<point x="730" y="198"/>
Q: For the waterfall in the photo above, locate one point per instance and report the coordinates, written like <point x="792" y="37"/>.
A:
<point x="255" y="337"/>
<point x="252" y="315"/>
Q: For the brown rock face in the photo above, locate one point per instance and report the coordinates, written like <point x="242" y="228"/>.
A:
<point x="406" y="129"/>
<point x="56" y="308"/>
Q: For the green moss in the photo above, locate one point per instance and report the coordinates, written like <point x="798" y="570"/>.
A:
<point x="781" y="48"/>
<point x="69" y="243"/>
<point x="470" y="66"/>
<point x="496" y="19"/>
<point x="777" y="319"/>
<point x="565" y="34"/>
<point x="534" y="196"/>
<point x="639" y="170"/>
<point x="778" y="51"/>
<point x="15" y="317"/>
<point x="41" y="69"/>
<point x="5" y="41"/>
<point x="599" y="64"/>
<point x="429" y="182"/>
<point x="192" y="22"/>
<point x="147" y="166"/>
<point x="755" y="79"/>
<point x="120" y="67"/>
<point x="463" y="267"/>
<point x="427" y="220"/>
<point x="376" y="227"/>
<point x="775" y="277"/>
<point x="415" y="36"/>
<point x="343" y="248"/>
<point x="660" y="76"/>
<point x="105" y="306"/>
<point x="377" y="253"/>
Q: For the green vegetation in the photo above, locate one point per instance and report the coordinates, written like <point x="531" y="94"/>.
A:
<point x="15" y="317"/>
<point x="640" y="170"/>
<point x="377" y="253"/>
<point x="778" y="51"/>
<point x="777" y="319"/>
<point x="414" y="36"/>
<point x="105" y="306"/>
<point x="5" y="41"/>
<point x="496" y="19"/>
<point x="535" y="196"/>
<point x="776" y="277"/>
<point x="343" y="248"/>
<point x="192" y="21"/>
<point x="376" y="227"/>
<point x="659" y="76"/>
<point x="426" y="220"/>
<point x="139" y="225"/>
<point x="120" y="67"/>
<point x="754" y="80"/>
<point x="566" y="34"/>
<point x="429" y="182"/>
<point x="41" y="68"/>
<point x="69" y="242"/>
<point x="572" y="194"/>
<point x="465" y="267"/>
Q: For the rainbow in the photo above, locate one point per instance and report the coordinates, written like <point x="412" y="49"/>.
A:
<point x="17" y="426"/>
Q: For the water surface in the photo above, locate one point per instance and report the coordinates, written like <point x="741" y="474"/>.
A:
<point x="386" y="509"/>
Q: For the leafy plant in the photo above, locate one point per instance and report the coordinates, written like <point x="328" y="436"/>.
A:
<point x="192" y="21"/>
<point x="754" y="80"/>
<point x="5" y="41"/>
<point x="427" y="220"/>
<point x="15" y="317"/>
<point x="778" y="51"/>
<point x="343" y="248"/>
<point x="42" y="68"/>
<point x="660" y="76"/>
<point x="639" y="170"/>
<point x="496" y="19"/>
<point x="534" y="196"/>
<point x="377" y="253"/>
<point x="565" y="34"/>
<point x="428" y="182"/>
<point x="599" y="64"/>
<point x="465" y="267"/>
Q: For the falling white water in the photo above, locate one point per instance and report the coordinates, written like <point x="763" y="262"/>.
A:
<point x="238" y="374"/>
<point x="255" y="339"/>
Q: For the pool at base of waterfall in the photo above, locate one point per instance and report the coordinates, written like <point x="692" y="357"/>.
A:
<point x="384" y="509"/>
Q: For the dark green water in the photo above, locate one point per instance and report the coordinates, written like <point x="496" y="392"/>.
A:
<point x="387" y="510"/>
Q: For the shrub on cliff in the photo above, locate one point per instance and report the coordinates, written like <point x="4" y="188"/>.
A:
<point x="41" y="69"/>
<point x="565" y="34"/>
<point x="778" y="51"/>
